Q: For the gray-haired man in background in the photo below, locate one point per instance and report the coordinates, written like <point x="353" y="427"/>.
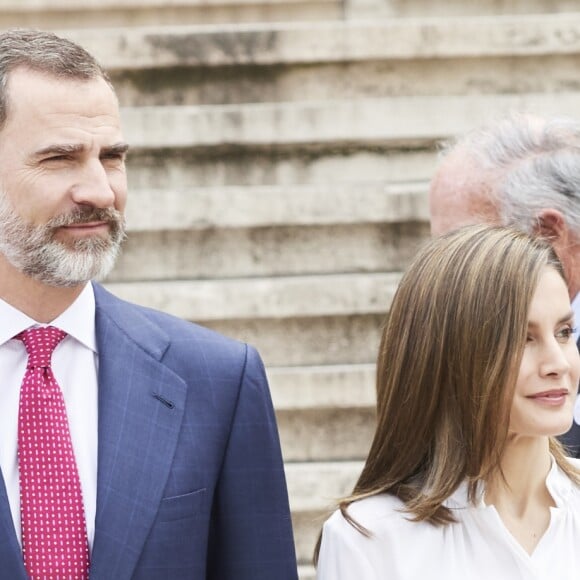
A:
<point x="525" y="171"/>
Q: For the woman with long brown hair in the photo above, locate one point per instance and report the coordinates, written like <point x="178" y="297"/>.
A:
<point x="477" y="373"/>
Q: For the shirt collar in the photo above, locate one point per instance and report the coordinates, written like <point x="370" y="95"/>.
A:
<point x="559" y="485"/>
<point x="78" y="320"/>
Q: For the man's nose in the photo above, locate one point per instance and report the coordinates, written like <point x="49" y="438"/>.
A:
<point x="93" y="186"/>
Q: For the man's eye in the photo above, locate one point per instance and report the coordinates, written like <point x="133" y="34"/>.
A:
<point x="54" y="158"/>
<point x="113" y="156"/>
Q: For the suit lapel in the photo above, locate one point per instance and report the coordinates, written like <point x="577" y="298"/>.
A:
<point x="141" y="406"/>
<point x="10" y="552"/>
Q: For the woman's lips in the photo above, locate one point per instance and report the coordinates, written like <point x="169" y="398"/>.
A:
<point x="554" y="397"/>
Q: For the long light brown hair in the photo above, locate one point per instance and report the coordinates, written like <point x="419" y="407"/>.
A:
<point x="447" y="365"/>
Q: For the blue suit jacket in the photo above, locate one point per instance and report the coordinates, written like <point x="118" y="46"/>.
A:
<point x="190" y="476"/>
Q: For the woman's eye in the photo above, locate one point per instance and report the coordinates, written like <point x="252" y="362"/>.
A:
<point x="566" y="333"/>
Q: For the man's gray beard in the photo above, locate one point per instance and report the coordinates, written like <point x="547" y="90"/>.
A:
<point x="35" y="252"/>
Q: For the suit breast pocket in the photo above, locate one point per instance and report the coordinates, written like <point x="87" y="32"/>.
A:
<point x="183" y="506"/>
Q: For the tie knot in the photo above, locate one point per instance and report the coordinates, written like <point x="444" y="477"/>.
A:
<point x="40" y="344"/>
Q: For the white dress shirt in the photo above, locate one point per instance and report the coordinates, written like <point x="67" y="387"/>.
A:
<point x="477" y="547"/>
<point x="74" y="364"/>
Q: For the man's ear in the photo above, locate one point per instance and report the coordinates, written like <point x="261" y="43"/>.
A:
<point x="551" y="225"/>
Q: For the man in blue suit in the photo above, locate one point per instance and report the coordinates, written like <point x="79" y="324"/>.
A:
<point x="524" y="171"/>
<point x="174" y="439"/>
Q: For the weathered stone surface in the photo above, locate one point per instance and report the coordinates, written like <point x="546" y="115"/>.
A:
<point x="288" y="43"/>
<point x="320" y="81"/>
<point x="185" y="168"/>
<point x="324" y="413"/>
<point x="326" y="434"/>
<point x="282" y="297"/>
<point x="327" y="204"/>
<point x="346" y="386"/>
<point x="398" y="122"/>
<point x="427" y="8"/>
<point x="390" y="139"/>
<point x="309" y="341"/>
<point x="129" y="13"/>
<point x="336" y="142"/>
<point x="275" y="251"/>
<point x="307" y="526"/>
<point x="316" y="487"/>
<point x="314" y="490"/>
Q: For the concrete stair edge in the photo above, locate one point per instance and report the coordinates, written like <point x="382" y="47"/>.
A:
<point x="306" y="480"/>
<point x="330" y="41"/>
<point x="417" y="121"/>
<point x="270" y="206"/>
<point x="344" y="386"/>
<point x="282" y="297"/>
<point x="90" y="5"/>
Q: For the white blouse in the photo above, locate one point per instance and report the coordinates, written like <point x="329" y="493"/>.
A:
<point x="477" y="547"/>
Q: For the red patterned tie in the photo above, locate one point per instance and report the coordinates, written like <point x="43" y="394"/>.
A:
<point x="54" y="536"/>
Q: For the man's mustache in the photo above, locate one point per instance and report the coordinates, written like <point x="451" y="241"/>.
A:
<point x="83" y="215"/>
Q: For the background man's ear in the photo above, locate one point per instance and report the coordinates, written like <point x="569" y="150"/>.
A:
<point x="550" y="224"/>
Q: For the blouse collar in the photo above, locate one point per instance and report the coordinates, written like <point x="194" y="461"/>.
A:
<point x="558" y="483"/>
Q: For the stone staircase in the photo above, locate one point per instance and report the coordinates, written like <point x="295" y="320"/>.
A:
<point x="281" y="151"/>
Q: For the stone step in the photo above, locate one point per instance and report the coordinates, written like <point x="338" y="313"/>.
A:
<point x="268" y="251"/>
<point x="321" y="340"/>
<point x="322" y="387"/>
<point x="91" y="13"/>
<point x="265" y="298"/>
<point x="332" y="141"/>
<point x="316" y="486"/>
<point x="278" y="231"/>
<point x="394" y="122"/>
<point x="326" y="434"/>
<point x="549" y="71"/>
<point x="198" y="167"/>
<point x="324" y="413"/>
<point x="78" y="14"/>
<point x="353" y="60"/>
<point x="341" y="324"/>
<point x="423" y="8"/>
<point x="232" y="207"/>
<point x="293" y="43"/>
<point x="314" y="489"/>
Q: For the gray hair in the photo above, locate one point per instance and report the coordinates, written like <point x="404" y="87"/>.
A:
<point x="43" y="52"/>
<point x="534" y="164"/>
